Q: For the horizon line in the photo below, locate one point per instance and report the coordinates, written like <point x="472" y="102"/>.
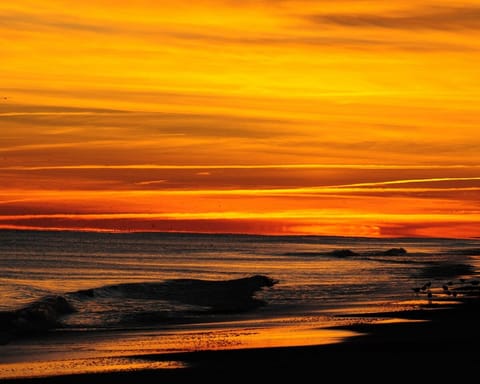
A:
<point x="240" y="166"/>
<point x="206" y="233"/>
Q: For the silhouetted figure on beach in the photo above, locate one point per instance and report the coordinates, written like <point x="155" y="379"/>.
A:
<point x="426" y="286"/>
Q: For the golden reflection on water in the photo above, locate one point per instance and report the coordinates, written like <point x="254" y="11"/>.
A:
<point x="76" y="366"/>
<point x="290" y="336"/>
<point x="399" y="320"/>
<point x="223" y="339"/>
<point x="111" y="353"/>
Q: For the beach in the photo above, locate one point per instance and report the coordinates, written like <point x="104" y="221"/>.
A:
<point x="432" y="340"/>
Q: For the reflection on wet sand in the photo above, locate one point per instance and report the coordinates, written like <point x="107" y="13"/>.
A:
<point x="111" y="353"/>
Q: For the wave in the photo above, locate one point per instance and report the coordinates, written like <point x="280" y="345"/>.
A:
<point x="341" y="253"/>
<point x="389" y="255"/>
<point x="447" y="270"/>
<point x="219" y="295"/>
<point x="125" y="303"/>
<point x="465" y="252"/>
<point x="41" y="315"/>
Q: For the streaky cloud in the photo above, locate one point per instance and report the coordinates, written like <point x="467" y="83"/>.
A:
<point x="151" y="182"/>
<point x="410" y="181"/>
<point x="442" y="18"/>
<point x="434" y="18"/>
<point x="158" y="123"/>
<point x="33" y="22"/>
<point x="243" y="166"/>
<point x="16" y="108"/>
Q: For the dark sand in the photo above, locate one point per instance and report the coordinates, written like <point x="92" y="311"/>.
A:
<point x="444" y="347"/>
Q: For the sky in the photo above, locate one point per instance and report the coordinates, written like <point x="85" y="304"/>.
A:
<point x="351" y="118"/>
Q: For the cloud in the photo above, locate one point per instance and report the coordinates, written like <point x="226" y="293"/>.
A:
<point x="12" y="109"/>
<point x="289" y="34"/>
<point x="156" y="33"/>
<point x="135" y="124"/>
<point x="440" y="18"/>
<point x="31" y="21"/>
<point x="151" y="182"/>
<point x="428" y="167"/>
<point x="435" y="18"/>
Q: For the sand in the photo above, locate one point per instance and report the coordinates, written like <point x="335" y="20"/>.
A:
<point x="443" y="343"/>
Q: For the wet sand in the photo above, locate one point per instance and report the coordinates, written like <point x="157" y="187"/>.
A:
<point x="443" y="343"/>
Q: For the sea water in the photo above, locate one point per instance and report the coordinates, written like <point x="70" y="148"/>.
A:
<point x="116" y="285"/>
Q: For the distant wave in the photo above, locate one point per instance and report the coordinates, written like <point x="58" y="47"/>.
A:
<point x="300" y="254"/>
<point x="349" y="253"/>
<point x="391" y="255"/>
<point x="465" y="251"/>
<point x="38" y="316"/>
<point x="213" y="296"/>
<point x="335" y="253"/>
<point x="447" y="270"/>
<point x="219" y="295"/>
<point x="396" y="260"/>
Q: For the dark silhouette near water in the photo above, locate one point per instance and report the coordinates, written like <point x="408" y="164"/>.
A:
<point x="38" y="316"/>
<point x="204" y="296"/>
<point x="227" y="296"/>
<point x="395" y="252"/>
<point x="464" y="289"/>
<point x="343" y="253"/>
<point x="219" y="296"/>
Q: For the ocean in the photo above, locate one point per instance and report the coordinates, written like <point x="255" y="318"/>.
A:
<point x="74" y="302"/>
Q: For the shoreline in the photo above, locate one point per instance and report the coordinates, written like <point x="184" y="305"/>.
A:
<point x="444" y="339"/>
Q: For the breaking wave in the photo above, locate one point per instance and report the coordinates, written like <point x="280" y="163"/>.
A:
<point x="124" y="305"/>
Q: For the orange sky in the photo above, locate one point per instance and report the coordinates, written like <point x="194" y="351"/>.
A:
<point x="260" y="116"/>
